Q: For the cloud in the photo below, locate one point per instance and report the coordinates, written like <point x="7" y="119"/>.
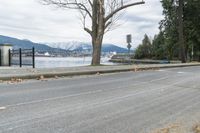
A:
<point x="138" y="20"/>
<point x="31" y="20"/>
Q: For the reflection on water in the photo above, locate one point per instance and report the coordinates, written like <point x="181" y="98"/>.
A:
<point x="49" y="62"/>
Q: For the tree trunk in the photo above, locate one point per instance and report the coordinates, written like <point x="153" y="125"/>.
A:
<point x="98" y="27"/>
<point x="180" y="30"/>
<point x="96" y="55"/>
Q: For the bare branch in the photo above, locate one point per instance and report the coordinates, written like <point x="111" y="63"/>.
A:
<point x="88" y="31"/>
<point x="121" y="8"/>
<point x="108" y="24"/>
<point x="90" y="3"/>
<point x="112" y="23"/>
<point x="70" y="5"/>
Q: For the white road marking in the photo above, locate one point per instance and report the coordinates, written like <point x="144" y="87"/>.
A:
<point x="55" y="98"/>
<point x="181" y="72"/>
<point x="163" y="78"/>
<point x="2" y="108"/>
<point x="161" y="70"/>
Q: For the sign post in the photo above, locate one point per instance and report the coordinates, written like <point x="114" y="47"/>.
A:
<point x="129" y="40"/>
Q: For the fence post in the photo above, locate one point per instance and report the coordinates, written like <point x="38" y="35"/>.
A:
<point x="9" y="56"/>
<point x="20" y="57"/>
<point x="33" y="57"/>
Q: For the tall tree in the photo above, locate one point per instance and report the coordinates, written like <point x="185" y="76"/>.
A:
<point x="168" y="27"/>
<point x="180" y="31"/>
<point x="144" y="50"/>
<point x="100" y="13"/>
<point x="185" y="26"/>
<point x="158" y="47"/>
<point x="192" y="28"/>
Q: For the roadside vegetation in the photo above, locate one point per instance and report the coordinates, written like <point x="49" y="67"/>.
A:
<point x="166" y="45"/>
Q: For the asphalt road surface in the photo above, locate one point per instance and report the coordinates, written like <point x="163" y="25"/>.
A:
<point x="129" y="102"/>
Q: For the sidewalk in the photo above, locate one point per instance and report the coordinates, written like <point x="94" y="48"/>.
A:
<point x="7" y="73"/>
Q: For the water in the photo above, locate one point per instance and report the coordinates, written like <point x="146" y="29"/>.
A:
<point x="51" y="62"/>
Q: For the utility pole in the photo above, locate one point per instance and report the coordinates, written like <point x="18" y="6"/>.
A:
<point x="180" y="31"/>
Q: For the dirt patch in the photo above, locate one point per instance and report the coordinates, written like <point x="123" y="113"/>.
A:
<point x="14" y="81"/>
<point x="173" y="128"/>
<point x="196" y="128"/>
<point x="178" y="128"/>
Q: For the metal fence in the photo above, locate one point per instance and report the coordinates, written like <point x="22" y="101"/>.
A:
<point x="0" y="58"/>
<point x="22" y="57"/>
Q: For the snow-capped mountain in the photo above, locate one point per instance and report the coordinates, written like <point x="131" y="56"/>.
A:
<point x="58" y="47"/>
<point x="71" y="46"/>
<point x="82" y="46"/>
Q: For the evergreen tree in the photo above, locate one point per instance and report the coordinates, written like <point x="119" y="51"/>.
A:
<point x="179" y="36"/>
<point x="145" y="49"/>
<point x="191" y="29"/>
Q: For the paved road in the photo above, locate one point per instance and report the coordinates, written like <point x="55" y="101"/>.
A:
<point x="129" y="102"/>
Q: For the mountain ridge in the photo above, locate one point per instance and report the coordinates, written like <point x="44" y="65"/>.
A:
<point x="25" y="44"/>
<point x="72" y="46"/>
<point x="81" y="46"/>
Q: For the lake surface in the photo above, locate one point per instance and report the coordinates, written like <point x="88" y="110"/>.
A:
<point x="50" y="62"/>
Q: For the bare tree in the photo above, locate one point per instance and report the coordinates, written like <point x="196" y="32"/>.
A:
<point x="101" y="14"/>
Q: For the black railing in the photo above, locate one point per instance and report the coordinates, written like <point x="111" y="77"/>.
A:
<point x="22" y="57"/>
<point x="0" y="58"/>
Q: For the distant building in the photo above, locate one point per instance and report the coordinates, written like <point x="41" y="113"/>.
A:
<point x="46" y="54"/>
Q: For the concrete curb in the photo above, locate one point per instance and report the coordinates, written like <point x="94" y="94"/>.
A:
<point x="92" y="72"/>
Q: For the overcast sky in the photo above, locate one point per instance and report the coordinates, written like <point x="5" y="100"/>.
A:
<point x="28" y="19"/>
